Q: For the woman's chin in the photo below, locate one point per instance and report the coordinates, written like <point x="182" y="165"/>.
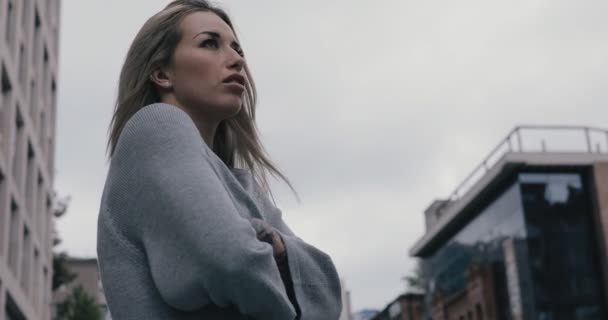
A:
<point x="226" y="107"/>
<point x="231" y="107"/>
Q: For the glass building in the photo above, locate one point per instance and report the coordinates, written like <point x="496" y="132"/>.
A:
<point x="526" y="239"/>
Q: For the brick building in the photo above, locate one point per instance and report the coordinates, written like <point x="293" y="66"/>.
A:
<point x="408" y="306"/>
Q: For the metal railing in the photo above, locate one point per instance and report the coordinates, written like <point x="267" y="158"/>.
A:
<point x="534" y="139"/>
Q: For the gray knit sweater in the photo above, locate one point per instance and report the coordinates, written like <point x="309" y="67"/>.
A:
<point x="175" y="240"/>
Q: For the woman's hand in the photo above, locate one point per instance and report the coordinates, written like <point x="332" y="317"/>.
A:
<point x="268" y="234"/>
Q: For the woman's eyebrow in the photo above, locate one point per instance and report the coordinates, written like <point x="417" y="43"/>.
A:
<point x="215" y="35"/>
<point x="210" y="33"/>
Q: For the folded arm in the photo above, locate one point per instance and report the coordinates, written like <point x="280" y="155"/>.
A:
<point x="314" y="278"/>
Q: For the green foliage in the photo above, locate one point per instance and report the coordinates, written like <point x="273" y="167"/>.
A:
<point x="61" y="274"/>
<point x="79" y="306"/>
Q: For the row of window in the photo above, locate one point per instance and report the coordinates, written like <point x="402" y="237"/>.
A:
<point x="27" y="214"/>
<point x="33" y="56"/>
<point x="25" y="10"/>
<point x="40" y="121"/>
<point x="24" y="259"/>
<point x="537" y="243"/>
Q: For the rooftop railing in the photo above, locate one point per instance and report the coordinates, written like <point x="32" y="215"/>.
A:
<point x="535" y="139"/>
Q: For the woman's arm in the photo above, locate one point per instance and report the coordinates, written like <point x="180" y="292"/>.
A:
<point x="268" y="234"/>
<point x="199" y="248"/>
<point x="314" y="278"/>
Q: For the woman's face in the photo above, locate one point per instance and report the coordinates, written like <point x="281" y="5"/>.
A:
<point x="207" y="71"/>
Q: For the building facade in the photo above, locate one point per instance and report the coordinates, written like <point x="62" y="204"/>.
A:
<point x="28" y="83"/>
<point x="408" y="306"/>
<point x="365" y="314"/>
<point x="527" y="238"/>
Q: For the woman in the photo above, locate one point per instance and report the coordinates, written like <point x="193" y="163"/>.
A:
<point x="186" y="229"/>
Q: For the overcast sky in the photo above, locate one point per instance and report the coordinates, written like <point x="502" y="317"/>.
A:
<point x="372" y="108"/>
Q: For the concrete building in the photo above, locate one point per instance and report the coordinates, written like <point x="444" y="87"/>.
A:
<point x="408" y="306"/>
<point x="525" y="236"/>
<point x="87" y="276"/>
<point x="28" y="82"/>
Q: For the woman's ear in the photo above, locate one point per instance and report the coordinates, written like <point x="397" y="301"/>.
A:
<point x="161" y="78"/>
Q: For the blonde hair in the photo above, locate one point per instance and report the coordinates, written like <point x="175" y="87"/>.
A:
<point x="236" y="141"/>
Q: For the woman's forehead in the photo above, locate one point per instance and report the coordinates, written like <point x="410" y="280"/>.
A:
<point x="203" y="21"/>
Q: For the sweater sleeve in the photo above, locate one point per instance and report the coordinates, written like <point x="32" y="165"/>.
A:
<point x="283" y="264"/>
<point x="315" y="280"/>
<point x="199" y="247"/>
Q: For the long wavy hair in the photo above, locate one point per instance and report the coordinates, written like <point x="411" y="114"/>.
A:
<point x="236" y="141"/>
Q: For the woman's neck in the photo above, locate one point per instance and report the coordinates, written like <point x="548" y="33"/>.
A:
<point x="206" y="127"/>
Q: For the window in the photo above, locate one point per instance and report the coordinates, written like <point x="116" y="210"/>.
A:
<point x="39" y="209"/>
<point x="12" y="311"/>
<point x="34" y="98"/>
<point x="6" y="83"/>
<point x="3" y="212"/>
<point x="26" y="267"/>
<point x="49" y="215"/>
<point x="22" y="65"/>
<point x="394" y="310"/>
<point x="45" y="75"/>
<point x="10" y="21"/>
<point x="479" y="312"/>
<point x="46" y="299"/>
<point x="25" y="14"/>
<point x="49" y="154"/>
<point x="42" y="132"/>
<point x="13" y="246"/>
<point x="37" y="40"/>
<point x="479" y="244"/>
<point x="30" y="180"/>
<point x="5" y="100"/>
<point x="53" y="101"/>
<point x="565" y="269"/>
<point x="20" y="151"/>
<point x="36" y="279"/>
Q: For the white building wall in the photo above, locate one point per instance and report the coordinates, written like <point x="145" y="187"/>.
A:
<point x="28" y="78"/>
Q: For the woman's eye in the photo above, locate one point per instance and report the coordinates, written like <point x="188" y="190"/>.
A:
<point x="210" y="43"/>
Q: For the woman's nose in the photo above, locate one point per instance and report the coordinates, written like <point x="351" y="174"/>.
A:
<point x="237" y="61"/>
